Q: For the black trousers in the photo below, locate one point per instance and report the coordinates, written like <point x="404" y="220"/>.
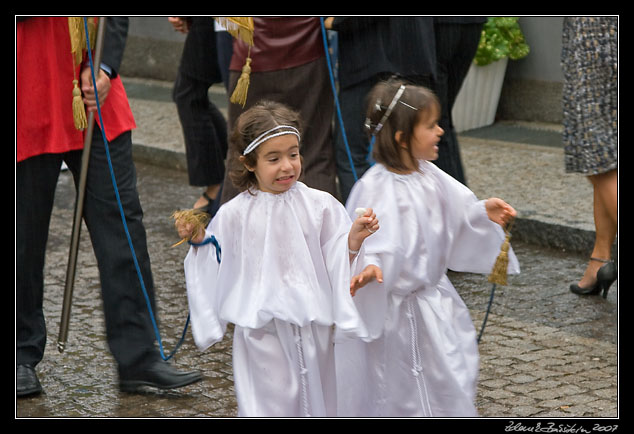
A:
<point x="204" y="126"/>
<point x="456" y="45"/>
<point x="352" y="101"/>
<point x="129" y="330"/>
<point x="204" y="130"/>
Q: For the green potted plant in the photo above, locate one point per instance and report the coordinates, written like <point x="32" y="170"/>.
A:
<point x="477" y="101"/>
<point x="501" y="37"/>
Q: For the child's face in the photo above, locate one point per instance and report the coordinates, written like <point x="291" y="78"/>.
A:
<point x="425" y="137"/>
<point x="278" y="164"/>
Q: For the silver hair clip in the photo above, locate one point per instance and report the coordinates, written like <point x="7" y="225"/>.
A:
<point x="407" y="105"/>
<point x="378" y="107"/>
<point x="388" y="112"/>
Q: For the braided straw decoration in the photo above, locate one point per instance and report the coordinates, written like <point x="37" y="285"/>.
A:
<point x="197" y="218"/>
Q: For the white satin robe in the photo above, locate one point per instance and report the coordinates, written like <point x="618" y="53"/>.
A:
<point x="423" y="357"/>
<point x="283" y="280"/>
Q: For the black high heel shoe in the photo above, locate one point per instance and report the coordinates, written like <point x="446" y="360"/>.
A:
<point x="605" y="278"/>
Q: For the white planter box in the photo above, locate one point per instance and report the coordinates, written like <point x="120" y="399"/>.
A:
<point x="479" y="95"/>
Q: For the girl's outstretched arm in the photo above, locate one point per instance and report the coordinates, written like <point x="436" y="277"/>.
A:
<point x="369" y="273"/>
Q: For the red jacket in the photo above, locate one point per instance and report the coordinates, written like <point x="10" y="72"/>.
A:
<point x="43" y="91"/>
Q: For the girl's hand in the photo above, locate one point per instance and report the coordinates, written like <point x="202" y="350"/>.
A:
<point x="190" y="225"/>
<point x="369" y="273"/>
<point x="363" y="226"/>
<point x="499" y="211"/>
<point x="186" y="231"/>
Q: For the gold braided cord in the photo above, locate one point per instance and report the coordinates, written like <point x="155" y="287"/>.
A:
<point x="238" y="27"/>
<point x="77" y="38"/>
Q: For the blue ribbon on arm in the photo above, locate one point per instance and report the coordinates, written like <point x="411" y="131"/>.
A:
<point x="211" y="240"/>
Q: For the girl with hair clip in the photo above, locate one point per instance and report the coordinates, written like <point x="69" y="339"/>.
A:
<point x="422" y="356"/>
<point x="278" y="268"/>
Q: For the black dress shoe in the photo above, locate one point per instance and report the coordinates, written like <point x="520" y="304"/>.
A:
<point x="26" y="382"/>
<point x="159" y="374"/>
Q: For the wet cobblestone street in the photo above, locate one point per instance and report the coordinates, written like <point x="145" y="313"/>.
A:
<point x="545" y="352"/>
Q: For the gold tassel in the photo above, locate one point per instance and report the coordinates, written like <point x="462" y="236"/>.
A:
<point x="241" y="28"/>
<point x="239" y="95"/>
<point x="500" y="268"/>
<point x="77" y="47"/>
<point x="195" y="217"/>
<point x="79" y="111"/>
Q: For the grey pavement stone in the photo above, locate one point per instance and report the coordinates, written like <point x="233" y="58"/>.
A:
<point x="534" y="362"/>
<point x="545" y="353"/>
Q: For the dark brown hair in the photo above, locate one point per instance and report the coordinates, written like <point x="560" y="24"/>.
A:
<point x="415" y="104"/>
<point x="258" y="119"/>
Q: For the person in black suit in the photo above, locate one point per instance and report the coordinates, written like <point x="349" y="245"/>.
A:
<point x="457" y="40"/>
<point x="204" y="126"/>
<point x="372" y="49"/>
<point x="129" y="330"/>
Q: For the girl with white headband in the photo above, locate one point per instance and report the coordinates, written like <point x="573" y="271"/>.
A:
<point x="281" y="272"/>
<point x="423" y="357"/>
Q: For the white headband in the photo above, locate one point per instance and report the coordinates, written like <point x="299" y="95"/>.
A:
<point x="264" y="136"/>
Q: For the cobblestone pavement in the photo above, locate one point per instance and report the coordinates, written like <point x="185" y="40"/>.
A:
<point x="545" y="352"/>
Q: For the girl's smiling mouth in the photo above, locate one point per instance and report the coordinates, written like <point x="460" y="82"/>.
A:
<point x="285" y="179"/>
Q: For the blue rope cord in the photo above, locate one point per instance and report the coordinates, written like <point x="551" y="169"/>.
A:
<point x="372" y="140"/>
<point x="212" y="239"/>
<point x="123" y="219"/>
<point x="486" y="315"/>
<point x="334" y="93"/>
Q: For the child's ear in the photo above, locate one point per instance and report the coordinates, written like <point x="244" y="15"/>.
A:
<point x="243" y="160"/>
<point x="398" y="136"/>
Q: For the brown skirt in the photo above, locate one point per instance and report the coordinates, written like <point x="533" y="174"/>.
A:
<point x="306" y="89"/>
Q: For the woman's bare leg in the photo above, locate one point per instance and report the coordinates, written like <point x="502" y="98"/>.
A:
<point x="605" y="222"/>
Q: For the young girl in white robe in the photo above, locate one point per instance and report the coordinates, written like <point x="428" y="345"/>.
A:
<point x="276" y="262"/>
<point x="423" y="357"/>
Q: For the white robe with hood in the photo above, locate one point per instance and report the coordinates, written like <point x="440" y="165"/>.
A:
<point x="423" y="357"/>
<point x="283" y="281"/>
